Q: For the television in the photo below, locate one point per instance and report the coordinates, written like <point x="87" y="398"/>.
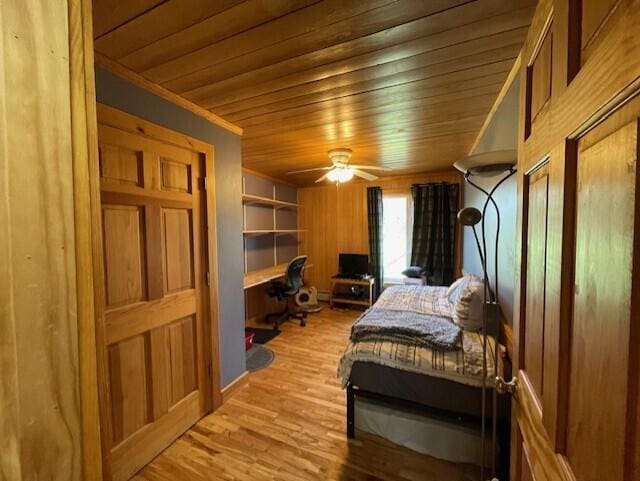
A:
<point x="353" y="265"/>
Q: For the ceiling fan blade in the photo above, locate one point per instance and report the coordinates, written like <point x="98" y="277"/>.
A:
<point x="322" y="178"/>
<point x="364" y="175"/>
<point x="371" y="167"/>
<point x="309" y="170"/>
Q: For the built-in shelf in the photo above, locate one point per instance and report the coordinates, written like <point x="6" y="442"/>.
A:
<point x="255" y="199"/>
<point x="273" y="231"/>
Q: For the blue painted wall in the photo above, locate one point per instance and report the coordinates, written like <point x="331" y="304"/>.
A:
<point x="120" y="94"/>
<point x="501" y="134"/>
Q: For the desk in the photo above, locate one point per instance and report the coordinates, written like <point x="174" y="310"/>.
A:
<point x="262" y="276"/>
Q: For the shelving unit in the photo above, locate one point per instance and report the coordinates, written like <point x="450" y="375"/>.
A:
<point x="270" y="210"/>
<point x="270" y="222"/>
<point x="337" y="297"/>
<point x="278" y="204"/>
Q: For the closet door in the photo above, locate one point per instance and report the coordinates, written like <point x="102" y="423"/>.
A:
<point x="601" y="379"/>
<point x="576" y="413"/>
<point x="533" y="321"/>
<point x="156" y="320"/>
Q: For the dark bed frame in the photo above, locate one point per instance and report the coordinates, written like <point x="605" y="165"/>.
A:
<point x="426" y="395"/>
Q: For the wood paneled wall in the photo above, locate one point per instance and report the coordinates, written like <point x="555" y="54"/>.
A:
<point x="335" y="220"/>
<point x="576" y="411"/>
<point x="48" y="425"/>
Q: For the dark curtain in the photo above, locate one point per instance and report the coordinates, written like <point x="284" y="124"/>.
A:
<point x="435" y="207"/>
<point x="374" y="212"/>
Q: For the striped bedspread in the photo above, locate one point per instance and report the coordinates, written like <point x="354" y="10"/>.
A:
<point x="463" y="366"/>
<point x="421" y="299"/>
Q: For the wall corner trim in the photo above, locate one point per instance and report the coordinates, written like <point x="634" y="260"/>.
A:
<point x="137" y="79"/>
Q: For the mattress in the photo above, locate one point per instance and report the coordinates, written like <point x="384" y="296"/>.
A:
<point x="464" y="366"/>
<point x="449" y="380"/>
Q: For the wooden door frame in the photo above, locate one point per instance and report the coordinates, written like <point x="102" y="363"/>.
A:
<point x="86" y="189"/>
<point x="89" y="247"/>
<point x="129" y="123"/>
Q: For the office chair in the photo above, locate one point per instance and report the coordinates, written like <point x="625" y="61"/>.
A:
<point x="284" y="291"/>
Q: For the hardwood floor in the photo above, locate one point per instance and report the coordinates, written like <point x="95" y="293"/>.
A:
<point x="288" y="423"/>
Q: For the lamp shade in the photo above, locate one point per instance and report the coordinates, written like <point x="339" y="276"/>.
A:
<point x="469" y="216"/>
<point x="340" y="174"/>
<point x="487" y="164"/>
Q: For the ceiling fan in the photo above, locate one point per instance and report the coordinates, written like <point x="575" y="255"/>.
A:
<point x="341" y="171"/>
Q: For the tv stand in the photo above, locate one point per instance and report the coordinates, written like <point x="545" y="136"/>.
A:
<point x="340" y="297"/>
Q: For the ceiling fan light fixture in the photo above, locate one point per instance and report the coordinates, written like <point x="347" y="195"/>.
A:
<point x="340" y="175"/>
<point x="341" y="171"/>
<point x="340" y="155"/>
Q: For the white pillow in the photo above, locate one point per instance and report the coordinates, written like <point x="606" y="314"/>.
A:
<point x="455" y="289"/>
<point x="467" y="311"/>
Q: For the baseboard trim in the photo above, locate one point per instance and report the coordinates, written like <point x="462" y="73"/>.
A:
<point x="235" y="386"/>
<point x="256" y="321"/>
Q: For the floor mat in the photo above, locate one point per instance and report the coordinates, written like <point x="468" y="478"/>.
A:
<point x="262" y="336"/>
<point x="259" y="357"/>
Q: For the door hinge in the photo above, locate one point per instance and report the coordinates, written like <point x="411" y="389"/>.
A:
<point x="203" y="183"/>
<point x="207" y="277"/>
<point x="210" y="371"/>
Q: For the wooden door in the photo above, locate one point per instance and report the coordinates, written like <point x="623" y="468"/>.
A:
<point x="156" y="327"/>
<point x="576" y="413"/>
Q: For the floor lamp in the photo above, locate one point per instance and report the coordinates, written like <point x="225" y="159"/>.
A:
<point x="499" y="164"/>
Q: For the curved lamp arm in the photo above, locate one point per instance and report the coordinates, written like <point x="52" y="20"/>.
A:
<point x="487" y="289"/>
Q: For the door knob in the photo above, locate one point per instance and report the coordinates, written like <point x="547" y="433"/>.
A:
<point x="504" y="387"/>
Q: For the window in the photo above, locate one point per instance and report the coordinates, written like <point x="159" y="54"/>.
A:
<point x="397" y="224"/>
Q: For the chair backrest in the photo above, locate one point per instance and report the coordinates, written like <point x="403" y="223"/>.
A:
<point x="294" y="272"/>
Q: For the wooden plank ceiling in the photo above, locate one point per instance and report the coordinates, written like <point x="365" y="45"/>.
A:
<point x="404" y="83"/>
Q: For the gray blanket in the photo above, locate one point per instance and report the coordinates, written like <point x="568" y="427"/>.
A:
<point x="433" y="332"/>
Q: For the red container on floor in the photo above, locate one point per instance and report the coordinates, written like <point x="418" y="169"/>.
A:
<point x="248" y="339"/>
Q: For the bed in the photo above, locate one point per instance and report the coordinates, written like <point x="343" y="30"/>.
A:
<point x="444" y="383"/>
